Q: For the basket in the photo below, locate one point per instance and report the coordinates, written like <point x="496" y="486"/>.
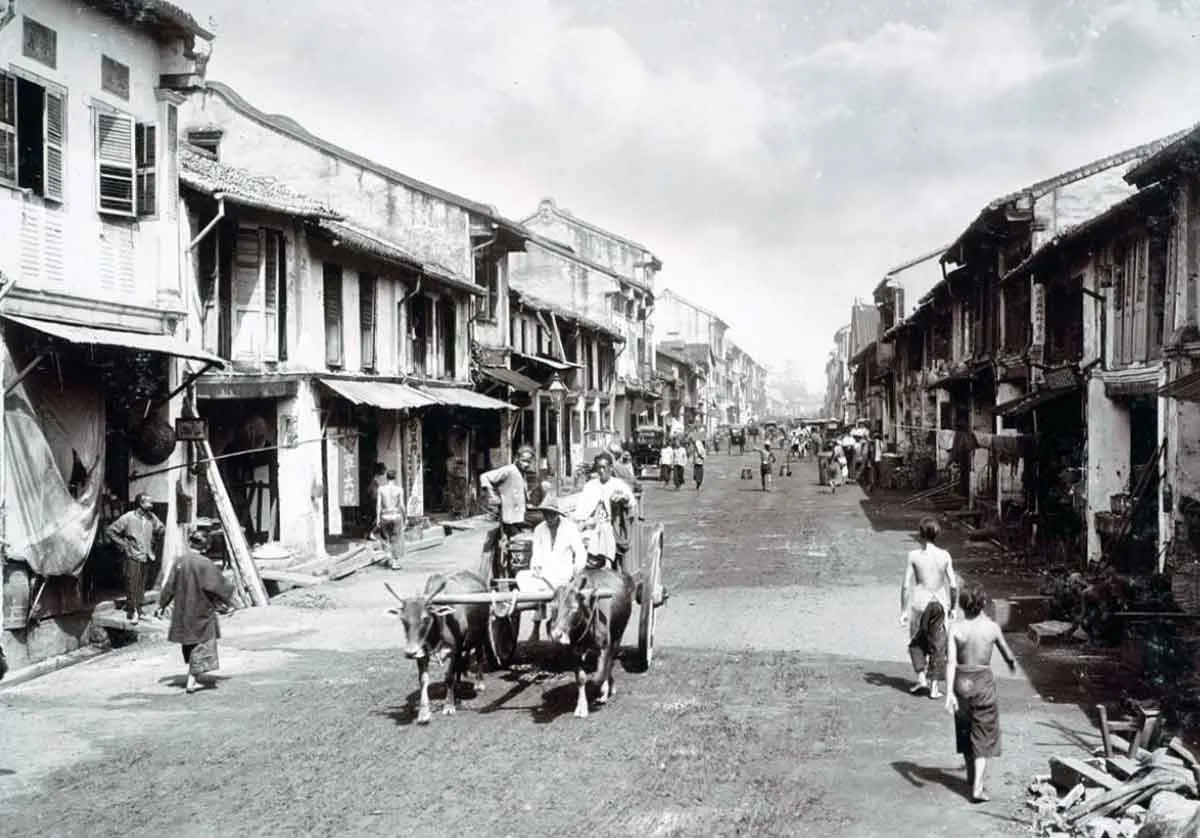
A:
<point x="520" y="551"/>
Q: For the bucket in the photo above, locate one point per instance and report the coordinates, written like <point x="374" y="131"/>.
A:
<point x="272" y="556"/>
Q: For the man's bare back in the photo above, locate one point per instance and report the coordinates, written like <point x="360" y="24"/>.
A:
<point x="974" y="640"/>
<point x="391" y="501"/>
<point x="930" y="575"/>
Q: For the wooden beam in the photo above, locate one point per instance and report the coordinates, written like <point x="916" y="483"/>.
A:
<point x="557" y="335"/>
<point x="235" y="537"/>
<point x="302" y="580"/>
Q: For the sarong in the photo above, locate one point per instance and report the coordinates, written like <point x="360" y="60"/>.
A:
<point x="927" y="646"/>
<point x="698" y="473"/>
<point x="201" y="657"/>
<point x="977" y="720"/>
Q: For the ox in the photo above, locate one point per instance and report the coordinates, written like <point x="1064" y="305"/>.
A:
<point x="587" y="623"/>
<point x="448" y="634"/>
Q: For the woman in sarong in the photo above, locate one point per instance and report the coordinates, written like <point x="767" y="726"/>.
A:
<point x="197" y="589"/>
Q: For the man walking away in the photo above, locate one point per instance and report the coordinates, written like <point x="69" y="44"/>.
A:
<point x="666" y="462"/>
<point x="698" y="463"/>
<point x="377" y="480"/>
<point x="134" y="533"/>
<point x="196" y="588"/>
<point x="927" y="594"/>
<point x="680" y="458"/>
<point x="389" y="517"/>
<point x="972" y="698"/>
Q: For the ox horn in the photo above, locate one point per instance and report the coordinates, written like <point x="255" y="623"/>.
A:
<point x="391" y="591"/>
<point x="435" y="592"/>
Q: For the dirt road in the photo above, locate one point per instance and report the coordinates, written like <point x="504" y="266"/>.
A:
<point x="777" y="705"/>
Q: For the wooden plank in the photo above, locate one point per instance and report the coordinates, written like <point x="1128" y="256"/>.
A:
<point x="362" y="559"/>
<point x="302" y="580"/>
<point x="1121" y="767"/>
<point x="1050" y="632"/>
<point x="235" y="538"/>
<point x="1176" y="747"/>
<point x="1068" y="772"/>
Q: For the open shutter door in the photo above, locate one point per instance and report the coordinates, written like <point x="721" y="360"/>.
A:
<point x="270" y="286"/>
<point x="56" y="135"/>
<point x="115" y="163"/>
<point x="247" y="295"/>
<point x="8" y="128"/>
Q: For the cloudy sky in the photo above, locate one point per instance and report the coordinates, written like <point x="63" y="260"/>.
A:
<point x="778" y="155"/>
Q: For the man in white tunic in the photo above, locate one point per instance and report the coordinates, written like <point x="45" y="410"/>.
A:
<point x="558" y="554"/>
<point x="926" y="600"/>
<point x="593" y="511"/>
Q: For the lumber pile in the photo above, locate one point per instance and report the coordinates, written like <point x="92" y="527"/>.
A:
<point x="1150" y="795"/>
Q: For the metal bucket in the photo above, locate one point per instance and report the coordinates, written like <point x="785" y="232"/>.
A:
<point x="520" y="549"/>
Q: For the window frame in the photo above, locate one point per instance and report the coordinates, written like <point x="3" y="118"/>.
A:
<point x="333" y="275"/>
<point x="368" y="333"/>
<point x="52" y="148"/>
<point x="118" y="169"/>
<point x="145" y="175"/>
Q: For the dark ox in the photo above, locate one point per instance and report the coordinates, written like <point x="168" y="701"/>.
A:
<point x="588" y="623"/>
<point x="449" y="634"/>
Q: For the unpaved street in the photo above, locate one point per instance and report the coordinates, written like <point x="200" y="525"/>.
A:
<point x="777" y="705"/>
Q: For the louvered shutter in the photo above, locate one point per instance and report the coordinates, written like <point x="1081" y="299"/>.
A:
<point x="366" y="319"/>
<point x="115" y="163"/>
<point x="272" y="279"/>
<point x="55" y="132"/>
<point x="8" y="128"/>
<point x="147" y="169"/>
<point x="333" y="315"/>
<point x="247" y="295"/>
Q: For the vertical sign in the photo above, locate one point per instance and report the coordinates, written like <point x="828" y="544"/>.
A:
<point x="348" y="468"/>
<point x="1037" y="317"/>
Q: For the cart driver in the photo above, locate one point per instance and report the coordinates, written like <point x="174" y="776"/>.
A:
<point x="593" y="511"/>
<point x="507" y="487"/>
<point x="558" y="554"/>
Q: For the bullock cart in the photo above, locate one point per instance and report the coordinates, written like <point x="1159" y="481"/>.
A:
<point x="501" y="560"/>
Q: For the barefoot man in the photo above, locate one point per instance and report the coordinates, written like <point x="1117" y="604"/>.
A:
<point x="389" y="518"/>
<point x="925" y="598"/>
<point x="972" y="697"/>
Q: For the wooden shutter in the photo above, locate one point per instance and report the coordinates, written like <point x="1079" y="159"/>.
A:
<point x="366" y="319"/>
<point x="333" y="314"/>
<point x="248" y="296"/>
<point x="147" y="168"/>
<point x="272" y="258"/>
<point x="8" y="128"/>
<point x="55" y="136"/>
<point x="115" y="163"/>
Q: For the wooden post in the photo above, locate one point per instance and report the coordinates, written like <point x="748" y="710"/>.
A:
<point x="239" y="549"/>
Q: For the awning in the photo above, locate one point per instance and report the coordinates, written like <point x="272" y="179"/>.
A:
<point x="511" y="378"/>
<point x="140" y="341"/>
<point x="1029" y="401"/>
<point x="561" y="366"/>
<point x="1185" y="388"/>
<point x="388" y="395"/>
<point x="1142" y="382"/>
<point x="459" y="397"/>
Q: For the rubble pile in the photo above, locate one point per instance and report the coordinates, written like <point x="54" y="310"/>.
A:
<point x="1152" y="796"/>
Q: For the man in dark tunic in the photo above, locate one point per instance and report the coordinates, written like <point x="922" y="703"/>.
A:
<point x="197" y="588"/>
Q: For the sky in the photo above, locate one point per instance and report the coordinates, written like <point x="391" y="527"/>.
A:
<point x="778" y="156"/>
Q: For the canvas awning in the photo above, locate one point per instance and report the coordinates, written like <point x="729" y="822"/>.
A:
<point x="1186" y="388"/>
<point x="1029" y="401"/>
<point x="388" y="395"/>
<point x="460" y="397"/>
<point x="511" y="378"/>
<point x="560" y="366"/>
<point x="119" y="338"/>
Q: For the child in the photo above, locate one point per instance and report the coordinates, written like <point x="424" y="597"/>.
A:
<point x="972" y="696"/>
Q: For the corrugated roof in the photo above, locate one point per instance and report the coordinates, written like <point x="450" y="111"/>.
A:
<point x="528" y="300"/>
<point x="461" y="397"/>
<point x="288" y="126"/>
<point x="388" y="395"/>
<point x="155" y="15"/>
<point x="209" y="176"/>
<point x="511" y="378"/>
<point x="373" y="244"/>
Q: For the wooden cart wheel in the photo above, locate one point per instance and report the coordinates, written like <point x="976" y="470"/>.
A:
<point x="501" y="631"/>
<point x="651" y="568"/>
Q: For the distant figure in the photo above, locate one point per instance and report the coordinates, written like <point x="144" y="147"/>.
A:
<point x="666" y="462"/>
<point x="389" y="517"/>
<point x="927" y="594"/>
<point x="377" y="480"/>
<point x="837" y="468"/>
<point x="680" y="459"/>
<point x="766" y="464"/>
<point x="972" y="698"/>
<point x="698" y="462"/>
<point x="197" y="588"/>
<point x="134" y="534"/>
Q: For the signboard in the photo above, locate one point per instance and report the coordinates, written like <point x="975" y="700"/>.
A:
<point x="348" y="468"/>
<point x="191" y="430"/>
<point x="1037" y="314"/>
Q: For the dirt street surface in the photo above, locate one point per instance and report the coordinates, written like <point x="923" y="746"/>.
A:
<point x="777" y="705"/>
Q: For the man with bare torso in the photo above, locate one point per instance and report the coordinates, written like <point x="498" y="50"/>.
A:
<point x="389" y="517"/>
<point x="925" y="599"/>
<point x="972" y="694"/>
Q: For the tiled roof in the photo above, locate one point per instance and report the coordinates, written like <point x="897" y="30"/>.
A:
<point x="1181" y="148"/>
<point x="209" y="176"/>
<point x="156" y="15"/>
<point x="677" y="357"/>
<point x="530" y="301"/>
<point x="372" y="244"/>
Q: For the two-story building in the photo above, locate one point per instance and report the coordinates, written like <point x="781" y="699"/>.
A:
<point x="629" y="298"/>
<point x="683" y="387"/>
<point x="378" y="324"/>
<point x="95" y="299"/>
<point x="697" y="334"/>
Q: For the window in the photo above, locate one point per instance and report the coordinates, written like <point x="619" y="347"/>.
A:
<point x="40" y="43"/>
<point x="115" y="163"/>
<point x="258" y="292"/>
<point x="420" y="332"/>
<point x="366" y="319"/>
<point x="114" y="77"/>
<point x="33" y="131"/>
<point x="333" y="314"/>
<point x="147" y="156"/>
<point x="448" y="331"/>
<point x="487" y="275"/>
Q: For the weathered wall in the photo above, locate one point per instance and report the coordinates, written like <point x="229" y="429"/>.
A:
<point x="301" y="481"/>
<point x="1107" y="457"/>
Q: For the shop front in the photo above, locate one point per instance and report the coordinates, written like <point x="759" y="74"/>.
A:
<point x="461" y="436"/>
